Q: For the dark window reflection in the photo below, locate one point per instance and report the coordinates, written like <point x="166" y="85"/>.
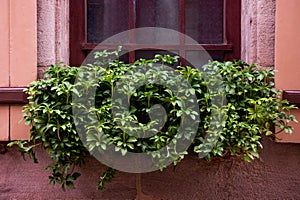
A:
<point x="204" y="20"/>
<point x="106" y="18"/>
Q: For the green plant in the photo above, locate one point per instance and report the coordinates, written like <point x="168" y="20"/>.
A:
<point x="49" y="113"/>
<point x="251" y="111"/>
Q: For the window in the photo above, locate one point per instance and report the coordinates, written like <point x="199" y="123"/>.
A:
<point x="215" y="24"/>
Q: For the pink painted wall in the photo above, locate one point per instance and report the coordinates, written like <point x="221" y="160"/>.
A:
<point x="4" y="65"/>
<point x="287" y="54"/>
<point x="18" y="58"/>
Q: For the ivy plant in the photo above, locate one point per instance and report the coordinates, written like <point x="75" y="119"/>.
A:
<point x="249" y="109"/>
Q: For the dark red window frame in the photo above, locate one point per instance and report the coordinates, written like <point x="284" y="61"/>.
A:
<point x="231" y="45"/>
<point x="12" y="95"/>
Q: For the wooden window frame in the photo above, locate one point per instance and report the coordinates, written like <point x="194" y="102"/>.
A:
<point x="13" y="95"/>
<point x="293" y="96"/>
<point x="231" y="45"/>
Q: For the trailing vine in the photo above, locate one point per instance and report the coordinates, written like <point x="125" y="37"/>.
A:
<point x="251" y="111"/>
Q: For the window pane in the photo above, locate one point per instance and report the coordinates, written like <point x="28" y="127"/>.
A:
<point x="201" y="58"/>
<point x="156" y="13"/>
<point x="106" y="18"/>
<point x="204" y="20"/>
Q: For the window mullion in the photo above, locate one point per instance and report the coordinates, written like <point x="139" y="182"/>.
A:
<point x="132" y="13"/>
<point x="182" y="52"/>
<point x="224" y="22"/>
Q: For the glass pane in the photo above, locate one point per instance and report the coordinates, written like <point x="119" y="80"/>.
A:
<point x="106" y="18"/>
<point x="156" y="13"/>
<point x="204" y="20"/>
<point x="200" y="58"/>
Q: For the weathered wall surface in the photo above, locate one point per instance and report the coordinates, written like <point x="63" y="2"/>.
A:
<point x="275" y="176"/>
<point x="53" y="32"/>
<point x="258" y="31"/>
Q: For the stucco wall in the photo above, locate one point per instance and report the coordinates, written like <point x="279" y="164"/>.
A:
<point x="258" y="31"/>
<point x="275" y="176"/>
<point x="53" y="33"/>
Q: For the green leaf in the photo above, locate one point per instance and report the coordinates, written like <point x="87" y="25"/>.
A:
<point x="268" y="133"/>
<point x="70" y="184"/>
<point x="131" y="139"/>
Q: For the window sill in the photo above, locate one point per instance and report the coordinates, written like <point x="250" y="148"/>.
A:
<point x="12" y="95"/>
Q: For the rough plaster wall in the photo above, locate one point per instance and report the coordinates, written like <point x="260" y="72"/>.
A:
<point x="53" y="33"/>
<point x="46" y="32"/>
<point x="275" y="175"/>
<point x="258" y="31"/>
<point x="249" y="31"/>
<point x="266" y="32"/>
<point x="62" y="31"/>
